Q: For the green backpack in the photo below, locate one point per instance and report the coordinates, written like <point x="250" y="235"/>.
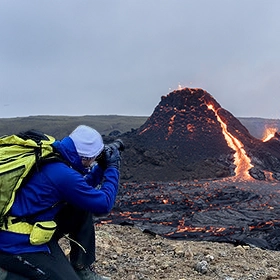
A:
<point x="19" y="155"/>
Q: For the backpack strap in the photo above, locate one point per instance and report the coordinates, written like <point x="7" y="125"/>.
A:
<point x="18" y="227"/>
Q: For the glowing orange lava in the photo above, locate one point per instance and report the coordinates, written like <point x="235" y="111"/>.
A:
<point x="143" y="131"/>
<point x="170" y="126"/>
<point x="190" y="127"/>
<point x="269" y="133"/>
<point x="241" y="160"/>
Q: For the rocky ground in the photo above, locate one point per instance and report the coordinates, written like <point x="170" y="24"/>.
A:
<point x="125" y="252"/>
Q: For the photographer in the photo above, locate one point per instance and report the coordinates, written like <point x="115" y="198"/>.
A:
<point x="63" y="193"/>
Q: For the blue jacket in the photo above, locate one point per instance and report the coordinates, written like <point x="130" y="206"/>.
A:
<point x="56" y="182"/>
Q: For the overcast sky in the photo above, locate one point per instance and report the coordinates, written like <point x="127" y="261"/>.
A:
<point x="103" y="57"/>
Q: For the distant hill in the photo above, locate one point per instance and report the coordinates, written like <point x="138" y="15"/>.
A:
<point x="60" y="126"/>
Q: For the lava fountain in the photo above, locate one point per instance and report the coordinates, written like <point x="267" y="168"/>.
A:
<point x="269" y="133"/>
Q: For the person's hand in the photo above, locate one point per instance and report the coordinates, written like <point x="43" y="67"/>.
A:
<point x="112" y="156"/>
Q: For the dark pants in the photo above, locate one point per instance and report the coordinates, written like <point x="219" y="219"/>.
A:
<point x="79" y="225"/>
<point x="55" y="266"/>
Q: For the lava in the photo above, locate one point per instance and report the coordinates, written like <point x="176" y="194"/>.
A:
<point x="188" y="228"/>
<point x="269" y="133"/>
<point x="241" y="160"/>
<point x="170" y="127"/>
<point x="214" y="210"/>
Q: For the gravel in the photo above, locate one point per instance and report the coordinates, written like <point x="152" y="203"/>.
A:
<point x="125" y="252"/>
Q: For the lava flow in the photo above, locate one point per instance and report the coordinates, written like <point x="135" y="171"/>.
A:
<point x="223" y="211"/>
<point x="177" y="175"/>
<point x="241" y="160"/>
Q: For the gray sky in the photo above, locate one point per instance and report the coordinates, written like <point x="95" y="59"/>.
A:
<point x="103" y="57"/>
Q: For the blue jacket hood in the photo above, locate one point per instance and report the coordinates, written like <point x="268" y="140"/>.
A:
<point x="68" y="151"/>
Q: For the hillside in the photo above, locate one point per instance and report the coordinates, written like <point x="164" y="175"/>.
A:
<point x="59" y="126"/>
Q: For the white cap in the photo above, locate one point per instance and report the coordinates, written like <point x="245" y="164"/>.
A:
<point x="88" y="141"/>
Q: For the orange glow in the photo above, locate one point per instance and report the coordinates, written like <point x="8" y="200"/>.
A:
<point x="261" y="225"/>
<point x="170" y="127"/>
<point x="269" y="133"/>
<point x="241" y="160"/>
<point x="143" y="131"/>
<point x="140" y="201"/>
<point x="269" y="176"/>
<point x="190" y="127"/>
<point x="211" y="229"/>
<point x="188" y="228"/>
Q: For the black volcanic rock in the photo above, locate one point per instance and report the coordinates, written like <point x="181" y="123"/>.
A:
<point x="183" y="124"/>
<point x="183" y="140"/>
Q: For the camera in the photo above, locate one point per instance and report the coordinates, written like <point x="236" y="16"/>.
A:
<point x="118" y="143"/>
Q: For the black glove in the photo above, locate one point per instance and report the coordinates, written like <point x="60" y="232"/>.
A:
<point x="112" y="156"/>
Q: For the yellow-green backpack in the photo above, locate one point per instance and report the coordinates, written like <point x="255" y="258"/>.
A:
<point x="19" y="155"/>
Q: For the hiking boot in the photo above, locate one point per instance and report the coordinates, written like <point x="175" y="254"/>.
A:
<point x="87" y="274"/>
<point x="3" y="274"/>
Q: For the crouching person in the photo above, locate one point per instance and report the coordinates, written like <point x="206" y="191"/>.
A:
<point x="61" y="199"/>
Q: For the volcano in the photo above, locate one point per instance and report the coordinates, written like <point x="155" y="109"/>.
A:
<point x="192" y="171"/>
<point x="190" y="136"/>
